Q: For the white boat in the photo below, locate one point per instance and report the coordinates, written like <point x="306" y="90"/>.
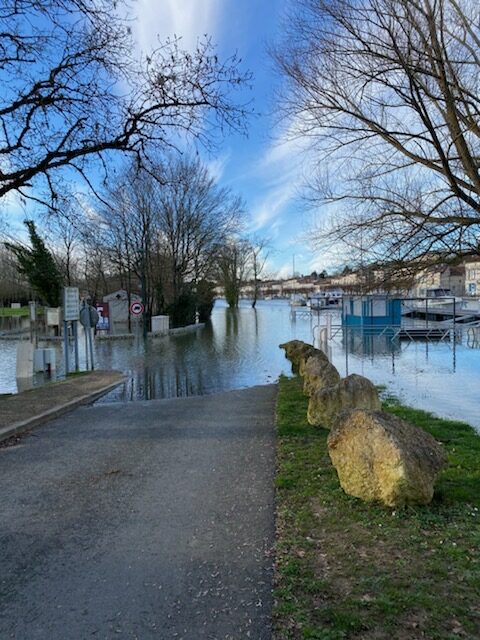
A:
<point x="434" y="297"/>
<point x="323" y="299"/>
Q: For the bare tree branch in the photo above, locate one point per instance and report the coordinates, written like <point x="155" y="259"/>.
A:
<point x="73" y="91"/>
<point x="388" y="92"/>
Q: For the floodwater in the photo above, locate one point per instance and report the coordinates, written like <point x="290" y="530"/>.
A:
<point x="239" y="348"/>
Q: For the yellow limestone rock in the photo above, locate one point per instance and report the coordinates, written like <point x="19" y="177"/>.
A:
<point x="318" y="373"/>
<point x="298" y="352"/>
<point x="379" y="457"/>
<point x="307" y="354"/>
<point x="352" y="392"/>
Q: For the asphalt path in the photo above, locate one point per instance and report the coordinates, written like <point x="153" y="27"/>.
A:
<point x="144" y="520"/>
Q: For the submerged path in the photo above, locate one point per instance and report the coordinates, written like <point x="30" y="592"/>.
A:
<point x="145" y="520"/>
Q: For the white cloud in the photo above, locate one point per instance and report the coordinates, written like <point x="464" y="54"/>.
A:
<point x="281" y="170"/>
<point x="14" y="210"/>
<point x="282" y="272"/>
<point x="286" y="150"/>
<point x="217" y="166"/>
<point x="285" y="271"/>
<point x="330" y="259"/>
<point x="271" y="206"/>
<point x="157" y="20"/>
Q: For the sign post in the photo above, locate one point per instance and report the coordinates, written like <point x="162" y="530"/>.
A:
<point x="89" y="318"/>
<point x="75" y="337"/>
<point x="71" y="313"/>
<point x="33" y="323"/>
<point x="136" y="309"/>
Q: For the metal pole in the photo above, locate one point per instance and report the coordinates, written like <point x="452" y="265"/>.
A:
<point x="65" y="338"/>
<point x="86" y="348"/>
<point x="454" y="353"/>
<point x="345" y="342"/>
<point x="143" y="284"/>
<point x="426" y="311"/>
<point x="91" y="347"/>
<point x="75" y="333"/>
<point x="33" y="323"/>
<point x="32" y="315"/>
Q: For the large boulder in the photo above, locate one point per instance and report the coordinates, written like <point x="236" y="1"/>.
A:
<point x="307" y="355"/>
<point x="318" y="373"/>
<point x="352" y="392"/>
<point x="379" y="457"/>
<point x="298" y="352"/>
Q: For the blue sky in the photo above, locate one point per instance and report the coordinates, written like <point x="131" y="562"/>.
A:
<point x="265" y="171"/>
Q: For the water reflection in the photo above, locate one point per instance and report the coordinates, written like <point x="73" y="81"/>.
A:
<point x="239" y="348"/>
<point x="370" y="345"/>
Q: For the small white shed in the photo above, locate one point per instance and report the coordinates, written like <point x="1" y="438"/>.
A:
<point x="119" y="310"/>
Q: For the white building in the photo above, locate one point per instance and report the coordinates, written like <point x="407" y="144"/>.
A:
<point x="472" y="278"/>
<point x="449" y="279"/>
<point x="118" y="309"/>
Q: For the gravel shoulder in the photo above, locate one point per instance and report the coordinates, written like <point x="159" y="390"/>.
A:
<point x="144" y="520"/>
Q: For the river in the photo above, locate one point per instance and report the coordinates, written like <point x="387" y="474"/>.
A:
<point x="239" y="348"/>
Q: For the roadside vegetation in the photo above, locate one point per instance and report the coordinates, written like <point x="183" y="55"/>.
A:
<point x="347" y="569"/>
<point x="8" y="312"/>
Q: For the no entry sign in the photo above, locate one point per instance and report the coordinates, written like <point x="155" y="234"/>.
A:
<point x="137" y="308"/>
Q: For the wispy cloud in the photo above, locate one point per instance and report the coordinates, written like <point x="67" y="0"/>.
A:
<point x="271" y="205"/>
<point x="331" y="260"/>
<point x="187" y="19"/>
<point x="285" y="148"/>
<point x="217" y="166"/>
<point x="280" y="171"/>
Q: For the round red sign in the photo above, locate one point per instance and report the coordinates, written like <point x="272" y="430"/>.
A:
<point x="137" y="308"/>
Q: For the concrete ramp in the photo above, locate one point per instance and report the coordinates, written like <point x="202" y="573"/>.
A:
<point x="146" y="520"/>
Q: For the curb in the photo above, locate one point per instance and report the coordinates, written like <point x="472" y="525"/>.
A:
<point x="25" y="425"/>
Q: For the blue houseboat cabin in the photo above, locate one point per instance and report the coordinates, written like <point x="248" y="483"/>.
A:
<point x="371" y="311"/>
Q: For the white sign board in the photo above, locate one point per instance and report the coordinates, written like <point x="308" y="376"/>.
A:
<point x="71" y="303"/>
<point x="53" y="317"/>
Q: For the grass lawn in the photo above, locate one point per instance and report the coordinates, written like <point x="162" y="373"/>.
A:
<point x="346" y="569"/>
<point x="7" y="312"/>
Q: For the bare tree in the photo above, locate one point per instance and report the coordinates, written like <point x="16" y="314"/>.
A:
<point x="258" y="254"/>
<point x="95" y="268"/>
<point x="65" y="238"/>
<point x="388" y="92"/>
<point x="73" y="92"/>
<point x="162" y="230"/>
<point x="129" y="233"/>
<point x="233" y="268"/>
<point x="196" y="217"/>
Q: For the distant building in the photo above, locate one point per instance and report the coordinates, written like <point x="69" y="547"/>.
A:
<point x="472" y="277"/>
<point x="450" y="279"/>
<point x="118" y="309"/>
<point x="346" y="281"/>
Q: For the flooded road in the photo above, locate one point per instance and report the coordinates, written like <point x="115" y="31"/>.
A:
<point x="239" y="348"/>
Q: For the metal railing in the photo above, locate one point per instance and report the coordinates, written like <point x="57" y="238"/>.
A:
<point x="394" y="332"/>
